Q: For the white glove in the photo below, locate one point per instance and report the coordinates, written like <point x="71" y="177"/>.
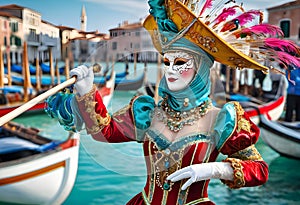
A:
<point x="85" y="79"/>
<point x="204" y="171"/>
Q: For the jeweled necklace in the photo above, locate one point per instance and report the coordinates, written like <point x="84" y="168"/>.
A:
<point x="175" y="120"/>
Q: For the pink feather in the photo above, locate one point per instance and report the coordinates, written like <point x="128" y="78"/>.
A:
<point x="259" y="29"/>
<point x="207" y="5"/>
<point x="248" y="16"/>
<point x="225" y="14"/>
<point x="282" y="45"/>
<point x="286" y="58"/>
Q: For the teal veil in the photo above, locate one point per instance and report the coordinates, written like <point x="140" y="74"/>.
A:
<point x="199" y="89"/>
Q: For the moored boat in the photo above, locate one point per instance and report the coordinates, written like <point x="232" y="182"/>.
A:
<point x="283" y="137"/>
<point x="35" y="169"/>
<point x="272" y="109"/>
<point x="130" y="82"/>
<point x="12" y="97"/>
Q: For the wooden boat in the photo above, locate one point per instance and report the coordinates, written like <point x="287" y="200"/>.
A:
<point x="12" y="97"/>
<point x="35" y="169"/>
<point x="46" y="79"/>
<point x="283" y="137"/>
<point x="254" y="108"/>
<point x="130" y="82"/>
<point x="19" y="69"/>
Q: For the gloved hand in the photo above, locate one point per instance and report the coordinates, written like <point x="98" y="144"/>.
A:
<point x="85" y="79"/>
<point x="204" y="171"/>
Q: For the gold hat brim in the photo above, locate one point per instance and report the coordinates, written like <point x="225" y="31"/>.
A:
<point x="201" y="35"/>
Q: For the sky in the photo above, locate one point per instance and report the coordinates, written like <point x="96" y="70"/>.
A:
<point x="103" y="15"/>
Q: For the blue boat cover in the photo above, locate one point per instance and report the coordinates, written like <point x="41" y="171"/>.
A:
<point x="15" y="144"/>
<point x="15" y="89"/>
<point x="239" y="98"/>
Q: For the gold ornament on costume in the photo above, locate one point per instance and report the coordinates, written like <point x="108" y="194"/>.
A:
<point x="176" y="120"/>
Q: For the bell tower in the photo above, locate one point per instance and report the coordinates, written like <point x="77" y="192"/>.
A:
<point x="83" y="19"/>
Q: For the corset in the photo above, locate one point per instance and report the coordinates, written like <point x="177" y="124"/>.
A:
<point x="163" y="157"/>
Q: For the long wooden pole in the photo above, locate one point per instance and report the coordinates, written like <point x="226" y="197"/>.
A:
<point x="57" y="72"/>
<point x="37" y="72"/>
<point x="26" y="106"/>
<point x="27" y="81"/>
<point x="135" y="61"/>
<point x="1" y="68"/>
<point x="51" y="66"/>
<point x="8" y="67"/>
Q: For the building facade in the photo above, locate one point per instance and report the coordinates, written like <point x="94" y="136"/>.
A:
<point x="129" y="41"/>
<point x="26" y="25"/>
<point x="287" y="17"/>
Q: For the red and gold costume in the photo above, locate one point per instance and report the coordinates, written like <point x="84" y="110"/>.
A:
<point x="233" y="135"/>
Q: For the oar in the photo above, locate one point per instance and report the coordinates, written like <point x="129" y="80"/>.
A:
<point x="26" y="106"/>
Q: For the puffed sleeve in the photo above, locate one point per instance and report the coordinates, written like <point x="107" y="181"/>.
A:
<point x="120" y="127"/>
<point x="236" y="136"/>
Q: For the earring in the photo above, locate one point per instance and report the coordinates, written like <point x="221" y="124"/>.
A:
<point x="186" y="102"/>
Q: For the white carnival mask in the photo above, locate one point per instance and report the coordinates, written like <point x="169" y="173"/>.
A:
<point x="179" y="70"/>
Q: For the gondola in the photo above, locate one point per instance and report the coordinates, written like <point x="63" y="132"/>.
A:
<point x="35" y="169"/>
<point x="283" y="137"/>
<point x="12" y="97"/>
<point x="130" y="82"/>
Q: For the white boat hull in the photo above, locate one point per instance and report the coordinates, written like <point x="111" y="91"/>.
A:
<point x="272" y="109"/>
<point x="40" y="179"/>
<point x="281" y="145"/>
<point x="282" y="139"/>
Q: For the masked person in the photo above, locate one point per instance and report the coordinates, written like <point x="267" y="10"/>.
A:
<point x="184" y="133"/>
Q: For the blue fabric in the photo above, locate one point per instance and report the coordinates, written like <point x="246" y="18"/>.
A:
<point x="163" y="143"/>
<point x="158" y="11"/>
<point x="294" y="89"/>
<point x="59" y="107"/>
<point x="225" y="124"/>
<point x="142" y="108"/>
<point x="197" y="92"/>
<point x="199" y="89"/>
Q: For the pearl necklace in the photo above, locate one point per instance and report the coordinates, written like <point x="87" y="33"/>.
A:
<point x="175" y="120"/>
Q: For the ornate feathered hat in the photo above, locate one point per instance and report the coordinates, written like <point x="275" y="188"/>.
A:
<point x="224" y="30"/>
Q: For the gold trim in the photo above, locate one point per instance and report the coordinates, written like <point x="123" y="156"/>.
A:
<point x="145" y="198"/>
<point x="98" y="122"/>
<point x="238" y="174"/>
<point x="249" y="153"/>
<point x="88" y="95"/>
<point x="190" y="203"/>
<point x="103" y="121"/>
<point x="198" y="201"/>
<point x="243" y="124"/>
